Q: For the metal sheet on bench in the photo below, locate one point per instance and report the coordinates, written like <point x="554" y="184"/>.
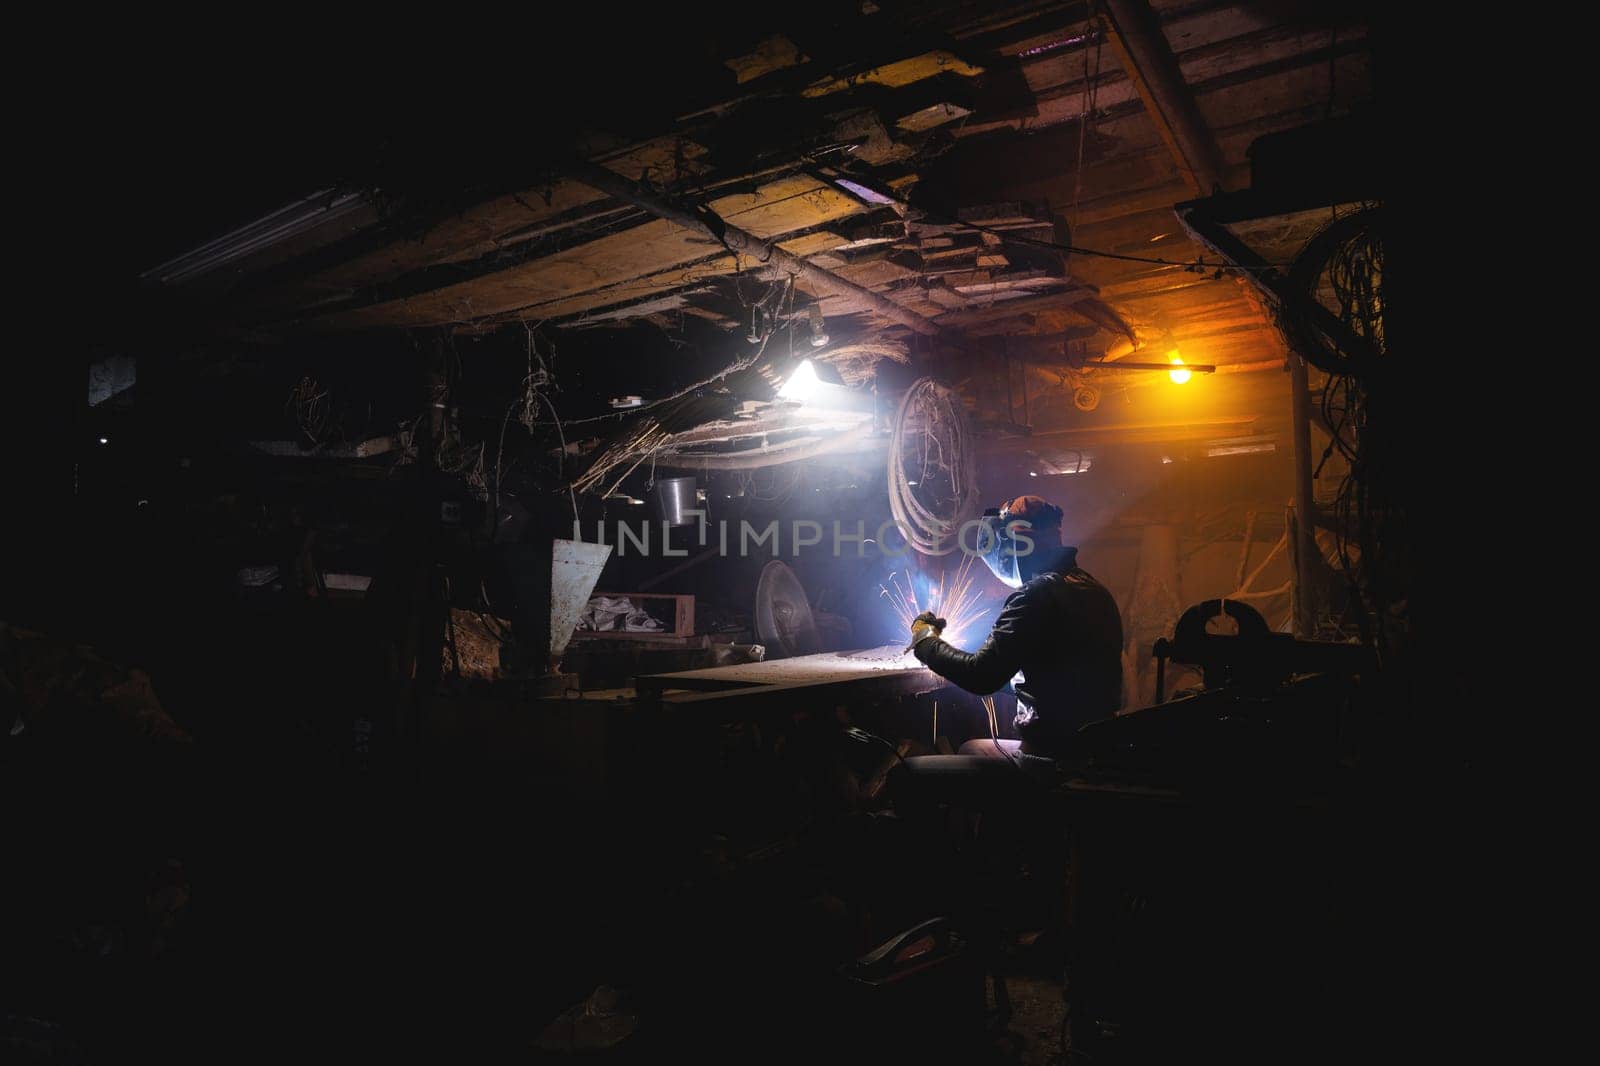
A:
<point x="822" y="668"/>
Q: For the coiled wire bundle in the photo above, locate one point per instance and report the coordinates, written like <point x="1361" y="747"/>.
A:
<point x="1341" y="268"/>
<point x="933" y="477"/>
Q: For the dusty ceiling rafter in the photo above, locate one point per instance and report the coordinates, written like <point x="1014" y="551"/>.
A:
<point x="610" y="301"/>
<point x="422" y="227"/>
<point x="741" y="242"/>
<point x="1248" y="72"/>
<point x="499" y="251"/>
<point x="495" y="249"/>
<point x="569" y="234"/>
<point x="818" y="68"/>
<point x="1013" y="33"/>
<point x="999" y="310"/>
<point x="651" y="257"/>
<point x="1146" y="55"/>
<point x="1136" y="175"/>
<point x="1081" y="300"/>
<point x="1137" y="39"/>
<point x="698" y="277"/>
<point x="1215" y="46"/>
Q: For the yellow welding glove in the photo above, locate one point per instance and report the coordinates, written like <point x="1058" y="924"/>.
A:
<point x="927" y="624"/>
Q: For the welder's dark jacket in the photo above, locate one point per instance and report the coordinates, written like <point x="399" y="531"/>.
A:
<point x="1063" y="632"/>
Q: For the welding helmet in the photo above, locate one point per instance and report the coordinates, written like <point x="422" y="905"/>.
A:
<point x="1005" y="539"/>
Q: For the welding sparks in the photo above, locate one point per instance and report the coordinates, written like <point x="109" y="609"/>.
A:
<point x="955" y="598"/>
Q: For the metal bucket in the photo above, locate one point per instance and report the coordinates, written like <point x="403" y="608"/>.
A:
<point x="675" y="498"/>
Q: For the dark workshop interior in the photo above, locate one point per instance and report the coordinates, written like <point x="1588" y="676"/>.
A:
<point x="866" y="531"/>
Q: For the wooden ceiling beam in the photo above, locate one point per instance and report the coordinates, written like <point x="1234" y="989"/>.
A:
<point x="1135" y="35"/>
<point x="1022" y="305"/>
<point x="737" y="240"/>
<point x="1125" y="433"/>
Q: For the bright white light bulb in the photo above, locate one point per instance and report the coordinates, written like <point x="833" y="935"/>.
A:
<point x="801" y="384"/>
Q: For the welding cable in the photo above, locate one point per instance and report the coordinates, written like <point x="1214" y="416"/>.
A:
<point x="923" y="529"/>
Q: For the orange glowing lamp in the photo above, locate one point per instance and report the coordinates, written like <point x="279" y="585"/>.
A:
<point x="1178" y="376"/>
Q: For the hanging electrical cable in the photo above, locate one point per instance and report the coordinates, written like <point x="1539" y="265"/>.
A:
<point x="1342" y="266"/>
<point x="655" y="430"/>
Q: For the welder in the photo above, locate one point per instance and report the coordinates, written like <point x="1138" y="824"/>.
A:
<point x="1058" y="639"/>
<point x="1058" y="643"/>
